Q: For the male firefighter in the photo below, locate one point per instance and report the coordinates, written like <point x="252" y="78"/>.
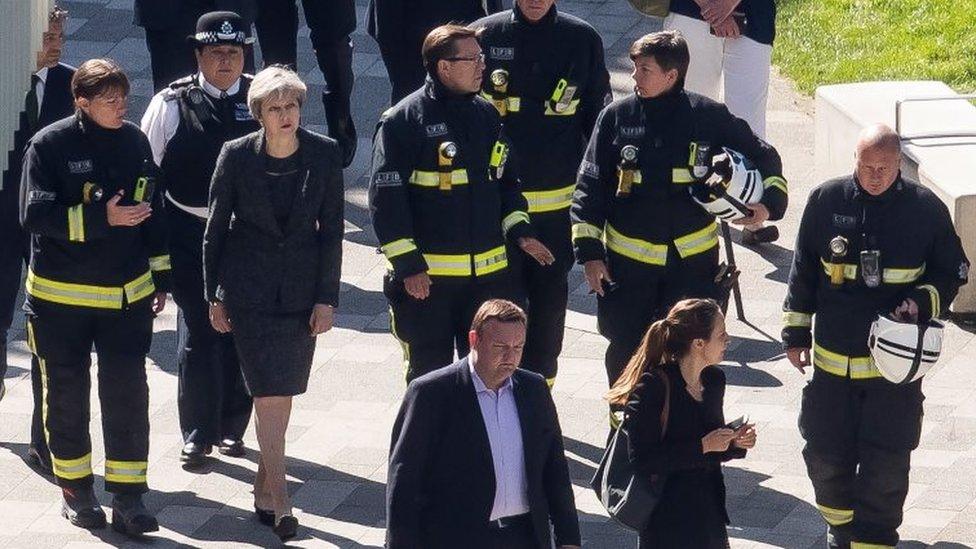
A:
<point x="643" y="241"/>
<point x="548" y="98"/>
<point x="443" y="201"/>
<point x="187" y="123"/>
<point x="869" y="242"/>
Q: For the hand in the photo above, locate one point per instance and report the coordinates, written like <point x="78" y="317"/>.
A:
<point x="906" y="312"/>
<point x="418" y="285"/>
<point x="596" y="272"/>
<point x="727" y="28"/>
<point x="537" y="250"/>
<point x="799" y="357"/>
<point x="718" y="440"/>
<point x="321" y="319"/>
<point x="760" y="213"/>
<point x="159" y="303"/>
<point x="745" y="437"/>
<point x="219" y="319"/>
<point x="716" y="11"/>
<point x="126" y="216"/>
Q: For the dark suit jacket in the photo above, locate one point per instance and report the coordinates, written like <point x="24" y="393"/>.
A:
<point x="441" y="482"/>
<point x="167" y="14"/>
<point x="249" y="261"/>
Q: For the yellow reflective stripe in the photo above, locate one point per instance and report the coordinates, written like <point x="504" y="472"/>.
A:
<point x="73" y="294"/>
<point x="793" y="319"/>
<point x="550" y="381"/>
<point x="72" y="469"/>
<point x="160" y="263"/>
<point x="570" y="109"/>
<point x="862" y="545"/>
<point x="432" y="179"/>
<point x="681" y="175"/>
<point x="775" y="181"/>
<point x="934" y="295"/>
<point x="850" y="270"/>
<point x="140" y="288"/>
<point x="448" y="265"/>
<point x="76" y="223"/>
<point x="129" y="472"/>
<point x="636" y="249"/>
<point x="42" y="366"/>
<point x="510" y="104"/>
<point x="398" y="247"/>
<point x="902" y="276"/>
<point x="836" y="517"/>
<point x="838" y="364"/>
<point x="697" y="242"/>
<point x="514" y="219"/>
<point x="490" y="261"/>
<point x="585" y="230"/>
<point x="549" y="201"/>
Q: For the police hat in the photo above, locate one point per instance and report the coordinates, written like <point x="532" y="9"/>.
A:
<point x="220" y="27"/>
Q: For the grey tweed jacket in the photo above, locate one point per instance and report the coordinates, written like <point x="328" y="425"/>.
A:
<point x="249" y="261"/>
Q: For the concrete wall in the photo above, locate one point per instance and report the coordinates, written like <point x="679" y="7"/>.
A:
<point x="22" y="23"/>
<point x="945" y="165"/>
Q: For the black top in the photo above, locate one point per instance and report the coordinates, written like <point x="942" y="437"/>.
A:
<point x="282" y="177"/>
<point x="760" y="17"/>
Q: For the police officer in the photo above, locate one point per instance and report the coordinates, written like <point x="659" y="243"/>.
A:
<point x="546" y="76"/>
<point x="443" y="200"/>
<point x="400" y="26"/>
<point x="869" y="242"/>
<point x="330" y="22"/>
<point x="98" y="273"/>
<point x="187" y="123"/>
<point x="643" y="241"/>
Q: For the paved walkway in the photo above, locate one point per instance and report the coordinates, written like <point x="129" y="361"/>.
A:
<point x="340" y="429"/>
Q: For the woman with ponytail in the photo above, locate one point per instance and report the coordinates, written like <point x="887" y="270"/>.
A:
<point x="675" y="361"/>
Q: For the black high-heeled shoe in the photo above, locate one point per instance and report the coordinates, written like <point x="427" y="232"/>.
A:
<point x="264" y="516"/>
<point x="285" y="527"/>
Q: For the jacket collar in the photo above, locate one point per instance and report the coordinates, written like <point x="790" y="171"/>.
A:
<point x="854" y="186"/>
<point x="306" y="158"/>
<point x="434" y="89"/>
<point x="519" y="18"/>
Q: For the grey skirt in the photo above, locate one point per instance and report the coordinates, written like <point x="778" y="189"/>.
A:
<point x="275" y="351"/>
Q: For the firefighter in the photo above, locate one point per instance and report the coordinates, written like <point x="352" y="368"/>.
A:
<point x="98" y="273"/>
<point x="187" y="123"/>
<point x="867" y="242"/>
<point x="548" y="98"/>
<point x="643" y="242"/>
<point x="443" y="201"/>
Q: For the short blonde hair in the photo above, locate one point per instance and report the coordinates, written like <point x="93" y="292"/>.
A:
<point x="274" y="82"/>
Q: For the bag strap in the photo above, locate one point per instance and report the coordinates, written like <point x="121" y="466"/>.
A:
<point x="666" y="409"/>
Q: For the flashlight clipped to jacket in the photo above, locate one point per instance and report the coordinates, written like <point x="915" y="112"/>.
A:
<point x="445" y="164"/>
<point x="627" y="170"/>
<point x="838" y="251"/>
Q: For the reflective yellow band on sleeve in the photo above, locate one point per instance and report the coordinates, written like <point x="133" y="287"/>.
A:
<point x="398" y="247"/>
<point x="514" y="219"/>
<point x="160" y="263"/>
<point x="85" y="295"/>
<point x="697" y="242"/>
<point x="126" y="472"/>
<point x="432" y="179"/>
<point x="585" y="230"/>
<point x="793" y="319"/>
<point x="72" y="469"/>
<point x="549" y="201"/>
<point x="934" y="296"/>
<point x="140" y="288"/>
<point x="861" y="367"/>
<point x="862" y="545"/>
<point x="776" y="182"/>
<point x="491" y="261"/>
<point x="76" y="223"/>
<point x="448" y="265"/>
<point x="570" y="109"/>
<point x="635" y="248"/>
<point x="681" y="175"/>
<point x="836" y="517"/>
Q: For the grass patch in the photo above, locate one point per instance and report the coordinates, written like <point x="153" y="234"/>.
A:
<point x="833" y="41"/>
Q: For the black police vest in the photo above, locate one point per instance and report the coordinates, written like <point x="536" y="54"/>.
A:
<point x="206" y="123"/>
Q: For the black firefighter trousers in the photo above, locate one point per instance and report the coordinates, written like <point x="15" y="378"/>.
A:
<point x="859" y="436"/>
<point x="62" y="342"/>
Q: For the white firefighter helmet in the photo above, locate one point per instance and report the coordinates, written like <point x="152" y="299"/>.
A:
<point x="904" y="351"/>
<point x="733" y="182"/>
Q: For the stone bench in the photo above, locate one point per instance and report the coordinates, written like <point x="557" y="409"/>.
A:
<point x="938" y="145"/>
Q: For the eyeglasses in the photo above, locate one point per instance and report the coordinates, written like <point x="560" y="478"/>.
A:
<point x="480" y="58"/>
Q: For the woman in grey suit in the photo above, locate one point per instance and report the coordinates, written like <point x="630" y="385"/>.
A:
<point x="272" y="252"/>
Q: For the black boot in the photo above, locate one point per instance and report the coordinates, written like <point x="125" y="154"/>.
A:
<point x="81" y="508"/>
<point x="341" y="128"/>
<point x="195" y="454"/>
<point x="39" y="461"/>
<point x="130" y="516"/>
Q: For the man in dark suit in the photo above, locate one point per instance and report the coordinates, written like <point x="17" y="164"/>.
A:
<point x="477" y="453"/>
<point x="48" y="100"/>
<point x="168" y="23"/>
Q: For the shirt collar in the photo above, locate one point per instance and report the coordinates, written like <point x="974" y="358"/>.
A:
<point x="42" y="74"/>
<point x="214" y="91"/>
<point x="479" y="385"/>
